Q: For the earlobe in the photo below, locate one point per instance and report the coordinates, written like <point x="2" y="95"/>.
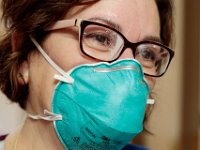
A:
<point x="23" y="74"/>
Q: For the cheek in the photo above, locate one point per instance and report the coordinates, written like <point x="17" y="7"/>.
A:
<point x="41" y="84"/>
<point x="151" y="81"/>
<point x="65" y="51"/>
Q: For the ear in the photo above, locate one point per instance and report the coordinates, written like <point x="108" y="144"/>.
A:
<point x="23" y="74"/>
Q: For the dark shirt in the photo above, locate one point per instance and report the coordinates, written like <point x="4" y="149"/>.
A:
<point x="134" y="147"/>
<point x="2" y="137"/>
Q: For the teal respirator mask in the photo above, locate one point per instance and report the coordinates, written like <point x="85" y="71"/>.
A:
<point x="98" y="106"/>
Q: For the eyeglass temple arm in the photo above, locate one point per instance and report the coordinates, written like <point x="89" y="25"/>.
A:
<point x="62" y="24"/>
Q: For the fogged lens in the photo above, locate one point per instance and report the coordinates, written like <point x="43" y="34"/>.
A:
<point x="153" y="58"/>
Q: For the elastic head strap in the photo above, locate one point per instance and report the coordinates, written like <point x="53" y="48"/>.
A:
<point x="65" y="76"/>
<point x="48" y="116"/>
<point x="150" y="101"/>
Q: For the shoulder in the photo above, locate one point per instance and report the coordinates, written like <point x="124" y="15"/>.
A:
<point x="134" y="147"/>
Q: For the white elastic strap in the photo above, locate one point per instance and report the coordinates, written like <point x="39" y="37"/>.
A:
<point x="48" y="116"/>
<point x="150" y="101"/>
<point x="62" y="24"/>
<point x="68" y="79"/>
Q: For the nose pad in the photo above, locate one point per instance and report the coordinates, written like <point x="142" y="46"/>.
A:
<point x="127" y="54"/>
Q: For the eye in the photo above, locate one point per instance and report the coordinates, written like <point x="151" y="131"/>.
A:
<point x="99" y="38"/>
<point x="146" y="54"/>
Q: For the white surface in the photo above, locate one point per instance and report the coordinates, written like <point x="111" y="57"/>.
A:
<point x="11" y="116"/>
<point x="1" y="145"/>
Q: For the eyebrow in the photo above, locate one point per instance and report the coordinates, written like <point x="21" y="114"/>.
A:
<point x="117" y="27"/>
<point x="107" y="21"/>
<point x="152" y="38"/>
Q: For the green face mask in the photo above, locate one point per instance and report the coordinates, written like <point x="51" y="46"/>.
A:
<point x="103" y="108"/>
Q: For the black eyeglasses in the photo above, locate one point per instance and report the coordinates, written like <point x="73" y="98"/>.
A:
<point x="102" y="42"/>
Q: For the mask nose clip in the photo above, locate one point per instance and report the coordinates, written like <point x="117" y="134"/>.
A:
<point x="116" y="69"/>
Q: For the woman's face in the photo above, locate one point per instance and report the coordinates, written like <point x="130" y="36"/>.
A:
<point x="137" y="20"/>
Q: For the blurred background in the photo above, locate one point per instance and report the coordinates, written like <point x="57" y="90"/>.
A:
<point x="175" y="120"/>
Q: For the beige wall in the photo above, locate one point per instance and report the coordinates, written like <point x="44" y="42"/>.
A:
<point x="11" y="116"/>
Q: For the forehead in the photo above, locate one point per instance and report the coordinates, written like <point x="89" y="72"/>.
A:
<point x="132" y="16"/>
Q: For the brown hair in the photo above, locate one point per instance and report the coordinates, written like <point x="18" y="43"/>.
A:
<point x="165" y="8"/>
<point x="32" y="17"/>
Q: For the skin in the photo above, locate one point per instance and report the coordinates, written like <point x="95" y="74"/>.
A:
<point x="139" y="17"/>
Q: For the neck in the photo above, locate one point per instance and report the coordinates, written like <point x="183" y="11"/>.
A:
<point x="36" y="134"/>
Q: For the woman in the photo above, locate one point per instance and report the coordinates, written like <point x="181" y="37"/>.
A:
<point x="76" y="67"/>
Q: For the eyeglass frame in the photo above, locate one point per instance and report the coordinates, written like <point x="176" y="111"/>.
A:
<point x="82" y="24"/>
